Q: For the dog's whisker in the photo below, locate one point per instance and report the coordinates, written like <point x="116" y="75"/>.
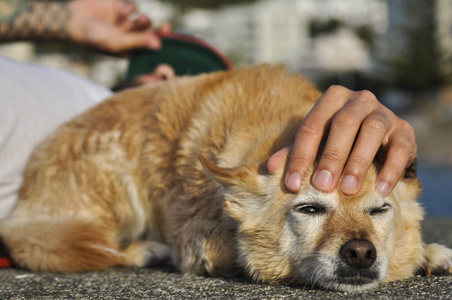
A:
<point x="317" y="274"/>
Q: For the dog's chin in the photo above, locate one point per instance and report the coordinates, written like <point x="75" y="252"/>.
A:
<point x="352" y="285"/>
<point x="346" y="284"/>
<point x="354" y="280"/>
<point x="329" y="275"/>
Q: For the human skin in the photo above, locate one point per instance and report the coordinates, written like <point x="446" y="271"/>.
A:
<point x="108" y="25"/>
<point x="356" y="128"/>
<point x="356" y="124"/>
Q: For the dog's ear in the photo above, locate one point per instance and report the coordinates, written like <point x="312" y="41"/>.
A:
<point x="242" y="189"/>
<point x="409" y="186"/>
<point x="241" y="176"/>
<point x="409" y="189"/>
<point x="411" y="170"/>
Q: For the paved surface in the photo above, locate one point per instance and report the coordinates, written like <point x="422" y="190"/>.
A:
<point x="123" y="283"/>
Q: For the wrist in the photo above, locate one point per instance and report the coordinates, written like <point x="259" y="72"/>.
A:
<point x="76" y="29"/>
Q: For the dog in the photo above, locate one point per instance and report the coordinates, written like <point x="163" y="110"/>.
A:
<point x="177" y="171"/>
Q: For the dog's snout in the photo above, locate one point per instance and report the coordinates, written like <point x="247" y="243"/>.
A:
<point x="359" y="254"/>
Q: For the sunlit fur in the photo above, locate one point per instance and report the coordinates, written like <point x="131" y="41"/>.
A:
<point x="178" y="170"/>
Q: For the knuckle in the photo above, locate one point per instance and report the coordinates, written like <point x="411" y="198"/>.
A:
<point x="413" y="152"/>
<point x="408" y="136"/>
<point x="335" y="89"/>
<point x="392" y="173"/>
<point x="310" y="128"/>
<point x="366" y="96"/>
<point x="347" y="118"/>
<point x="299" y="161"/>
<point x="333" y="156"/>
<point x="402" y="146"/>
<point x="360" y="161"/>
<point x="377" y="122"/>
<point x="407" y="127"/>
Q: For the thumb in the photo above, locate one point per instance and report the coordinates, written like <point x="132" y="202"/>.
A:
<point x="278" y="159"/>
<point x="134" y="40"/>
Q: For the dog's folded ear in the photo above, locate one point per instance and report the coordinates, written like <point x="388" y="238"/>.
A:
<point x="240" y="176"/>
<point x="243" y="192"/>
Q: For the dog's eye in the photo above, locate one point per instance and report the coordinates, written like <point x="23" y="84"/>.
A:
<point x="380" y="210"/>
<point x="310" y="209"/>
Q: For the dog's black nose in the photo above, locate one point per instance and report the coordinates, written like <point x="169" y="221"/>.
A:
<point x="359" y="254"/>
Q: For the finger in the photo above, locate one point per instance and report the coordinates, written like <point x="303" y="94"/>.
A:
<point x="126" y="8"/>
<point x="277" y="159"/>
<point x="164" y="30"/>
<point x="342" y="135"/>
<point x="372" y="132"/>
<point x="134" y="40"/>
<point x="129" y="18"/>
<point x="401" y="152"/>
<point x="135" y="22"/>
<point x="142" y="22"/>
<point x="310" y="135"/>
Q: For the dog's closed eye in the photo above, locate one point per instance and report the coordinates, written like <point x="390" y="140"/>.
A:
<point x="310" y="209"/>
<point x="380" y="210"/>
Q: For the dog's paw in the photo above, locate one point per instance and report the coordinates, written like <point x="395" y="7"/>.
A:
<point x="438" y="260"/>
<point x="146" y="253"/>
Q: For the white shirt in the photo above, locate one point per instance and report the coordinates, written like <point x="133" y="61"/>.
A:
<point x="34" y="101"/>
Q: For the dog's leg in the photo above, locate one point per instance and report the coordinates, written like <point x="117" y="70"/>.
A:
<point x="145" y="253"/>
<point x="438" y="259"/>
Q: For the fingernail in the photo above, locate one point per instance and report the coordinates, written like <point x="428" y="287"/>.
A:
<point x="383" y="188"/>
<point x="323" y="180"/>
<point x="293" y="182"/>
<point x="349" y="184"/>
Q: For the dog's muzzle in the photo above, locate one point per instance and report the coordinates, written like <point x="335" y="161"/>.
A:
<point x="358" y="262"/>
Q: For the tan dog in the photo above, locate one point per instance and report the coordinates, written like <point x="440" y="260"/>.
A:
<point x="179" y="169"/>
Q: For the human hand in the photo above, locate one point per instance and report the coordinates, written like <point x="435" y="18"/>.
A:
<point x="112" y="25"/>
<point x="161" y="73"/>
<point x="356" y="126"/>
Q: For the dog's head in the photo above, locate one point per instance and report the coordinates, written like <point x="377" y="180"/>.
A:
<point x="329" y="240"/>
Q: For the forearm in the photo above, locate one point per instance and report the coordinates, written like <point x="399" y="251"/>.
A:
<point x="33" y="20"/>
<point x="102" y="24"/>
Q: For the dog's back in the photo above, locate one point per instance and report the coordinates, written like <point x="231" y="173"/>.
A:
<point x="119" y="171"/>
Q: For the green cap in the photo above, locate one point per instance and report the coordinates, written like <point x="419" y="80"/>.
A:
<point x="186" y="54"/>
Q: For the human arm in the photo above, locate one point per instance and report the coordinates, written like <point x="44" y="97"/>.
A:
<point x="358" y="128"/>
<point x="108" y="25"/>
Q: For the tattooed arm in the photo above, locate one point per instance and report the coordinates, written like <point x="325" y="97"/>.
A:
<point x="26" y="20"/>
<point x="110" y="25"/>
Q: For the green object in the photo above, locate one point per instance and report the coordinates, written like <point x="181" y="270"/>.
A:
<point x="187" y="55"/>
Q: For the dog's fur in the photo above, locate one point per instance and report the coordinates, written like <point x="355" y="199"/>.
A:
<point x="179" y="170"/>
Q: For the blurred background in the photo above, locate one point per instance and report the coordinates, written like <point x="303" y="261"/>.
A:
<point x="399" y="49"/>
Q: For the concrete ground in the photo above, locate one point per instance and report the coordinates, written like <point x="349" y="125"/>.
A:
<point x="124" y="283"/>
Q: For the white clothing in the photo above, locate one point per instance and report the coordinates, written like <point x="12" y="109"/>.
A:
<point x="34" y="100"/>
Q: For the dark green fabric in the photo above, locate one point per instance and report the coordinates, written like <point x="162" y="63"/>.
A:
<point x="187" y="58"/>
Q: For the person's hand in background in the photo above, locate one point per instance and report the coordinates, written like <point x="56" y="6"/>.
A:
<point x="112" y="25"/>
<point x="357" y="127"/>
<point x="109" y="25"/>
